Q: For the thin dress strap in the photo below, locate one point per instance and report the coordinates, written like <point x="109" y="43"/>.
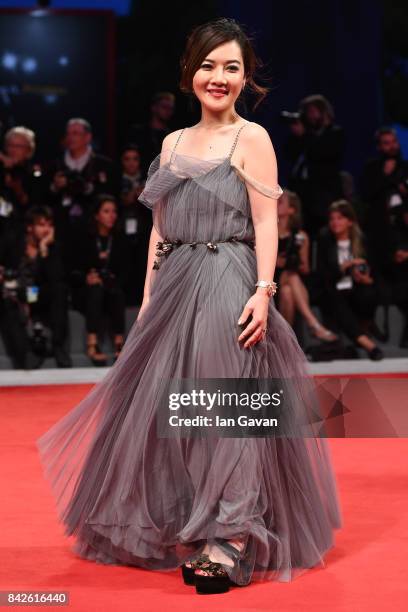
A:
<point x="177" y="141"/>
<point x="234" y="144"/>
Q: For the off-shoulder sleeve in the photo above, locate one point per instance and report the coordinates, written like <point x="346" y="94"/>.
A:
<point x="270" y="192"/>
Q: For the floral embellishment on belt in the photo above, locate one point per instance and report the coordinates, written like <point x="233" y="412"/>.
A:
<point x="165" y="247"/>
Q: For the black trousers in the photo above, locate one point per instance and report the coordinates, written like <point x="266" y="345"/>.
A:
<point x="96" y="301"/>
<point x="52" y="310"/>
<point x="399" y="292"/>
<point x="352" y="306"/>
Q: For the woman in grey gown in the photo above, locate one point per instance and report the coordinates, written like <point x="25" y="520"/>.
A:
<point x="228" y="510"/>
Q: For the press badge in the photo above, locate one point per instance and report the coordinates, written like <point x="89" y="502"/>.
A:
<point x="32" y="294"/>
<point x="131" y="226"/>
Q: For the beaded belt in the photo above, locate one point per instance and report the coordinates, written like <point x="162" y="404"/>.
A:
<point x="165" y="247"/>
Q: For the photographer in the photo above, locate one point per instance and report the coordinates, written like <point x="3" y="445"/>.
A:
<point x="384" y="189"/>
<point x="75" y="180"/>
<point x="315" y="148"/>
<point x="348" y="277"/>
<point x="292" y="266"/>
<point x="20" y="179"/>
<point x="149" y="136"/>
<point x="399" y="270"/>
<point x="98" y="274"/>
<point x="33" y="291"/>
<point x="135" y="223"/>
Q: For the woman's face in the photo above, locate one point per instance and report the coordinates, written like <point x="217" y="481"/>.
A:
<point x="338" y="223"/>
<point x="107" y="215"/>
<point x="284" y="208"/>
<point x="220" y="78"/>
<point x="131" y="162"/>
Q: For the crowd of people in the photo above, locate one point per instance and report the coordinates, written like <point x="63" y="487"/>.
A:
<point x="73" y="235"/>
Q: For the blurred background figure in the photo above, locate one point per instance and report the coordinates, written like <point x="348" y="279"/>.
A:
<point x="135" y="223"/>
<point x="98" y="276"/>
<point x="293" y="268"/>
<point x="20" y="178"/>
<point x="75" y="179"/>
<point x="149" y="136"/>
<point x="34" y="294"/>
<point x="315" y="148"/>
<point x="384" y="189"/>
<point x="349" y="278"/>
<point x="399" y="268"/>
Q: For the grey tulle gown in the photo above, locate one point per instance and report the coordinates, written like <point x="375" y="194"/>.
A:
<point x="131" y="497"/>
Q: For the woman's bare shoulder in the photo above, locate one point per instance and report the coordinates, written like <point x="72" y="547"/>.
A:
<point x="170" y="139"/>
<point x="255" y="131"/>
<point x="256" y="139"/>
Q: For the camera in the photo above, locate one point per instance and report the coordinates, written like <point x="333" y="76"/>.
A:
<point x="289" y="117"/>
<point x="362" y="268"/>
<point x="76" y="184"/>
<point x="12" y="289"/>
<point x="108" y="279"/>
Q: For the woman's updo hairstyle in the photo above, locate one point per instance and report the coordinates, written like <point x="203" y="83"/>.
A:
<point x="206" y="37"/>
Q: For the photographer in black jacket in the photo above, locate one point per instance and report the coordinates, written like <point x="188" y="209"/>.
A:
<point x="399" y="270"/>
<point x="76" y="179"/>
<point x="21" y="179"/>
<point x="347" y="274"/>
<point x="384" y="189"/>
<point x="33" y="291"/>
<point x="315" y="148"/>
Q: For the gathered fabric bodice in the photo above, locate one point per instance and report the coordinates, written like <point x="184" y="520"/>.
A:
<point x="196" y="199"/>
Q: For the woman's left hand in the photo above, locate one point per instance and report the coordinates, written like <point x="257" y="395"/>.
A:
<point x="257" y="305"/>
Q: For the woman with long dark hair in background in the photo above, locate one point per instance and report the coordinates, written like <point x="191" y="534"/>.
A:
<point x="292" y="267"/>
<point x="98" y="276"/>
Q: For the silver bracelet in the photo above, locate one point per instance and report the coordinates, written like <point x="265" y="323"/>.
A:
<point x="270" y="286"/>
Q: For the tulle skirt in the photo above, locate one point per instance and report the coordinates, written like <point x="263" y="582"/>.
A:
<point x="131" y="497"/>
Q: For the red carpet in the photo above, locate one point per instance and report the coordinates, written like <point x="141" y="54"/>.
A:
<point x="367" y="570"/>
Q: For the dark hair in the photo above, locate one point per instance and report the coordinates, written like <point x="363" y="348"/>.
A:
<point x="206" y="37"/>
<point x="382" y="131"/>
<point x="98" y="203"/>
<point x="319" y="102"/>
<point x="294" y="201"/>
<point x="130" y="147"/>
<point x="163" y="95"/>
<point x="36" y="213"/>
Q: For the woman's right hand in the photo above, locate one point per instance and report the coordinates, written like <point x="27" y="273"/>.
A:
<point x="352" y="262"/>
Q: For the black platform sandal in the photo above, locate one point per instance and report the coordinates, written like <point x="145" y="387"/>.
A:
<point x="216" y="580"/>
<point x="188" y="570"/>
